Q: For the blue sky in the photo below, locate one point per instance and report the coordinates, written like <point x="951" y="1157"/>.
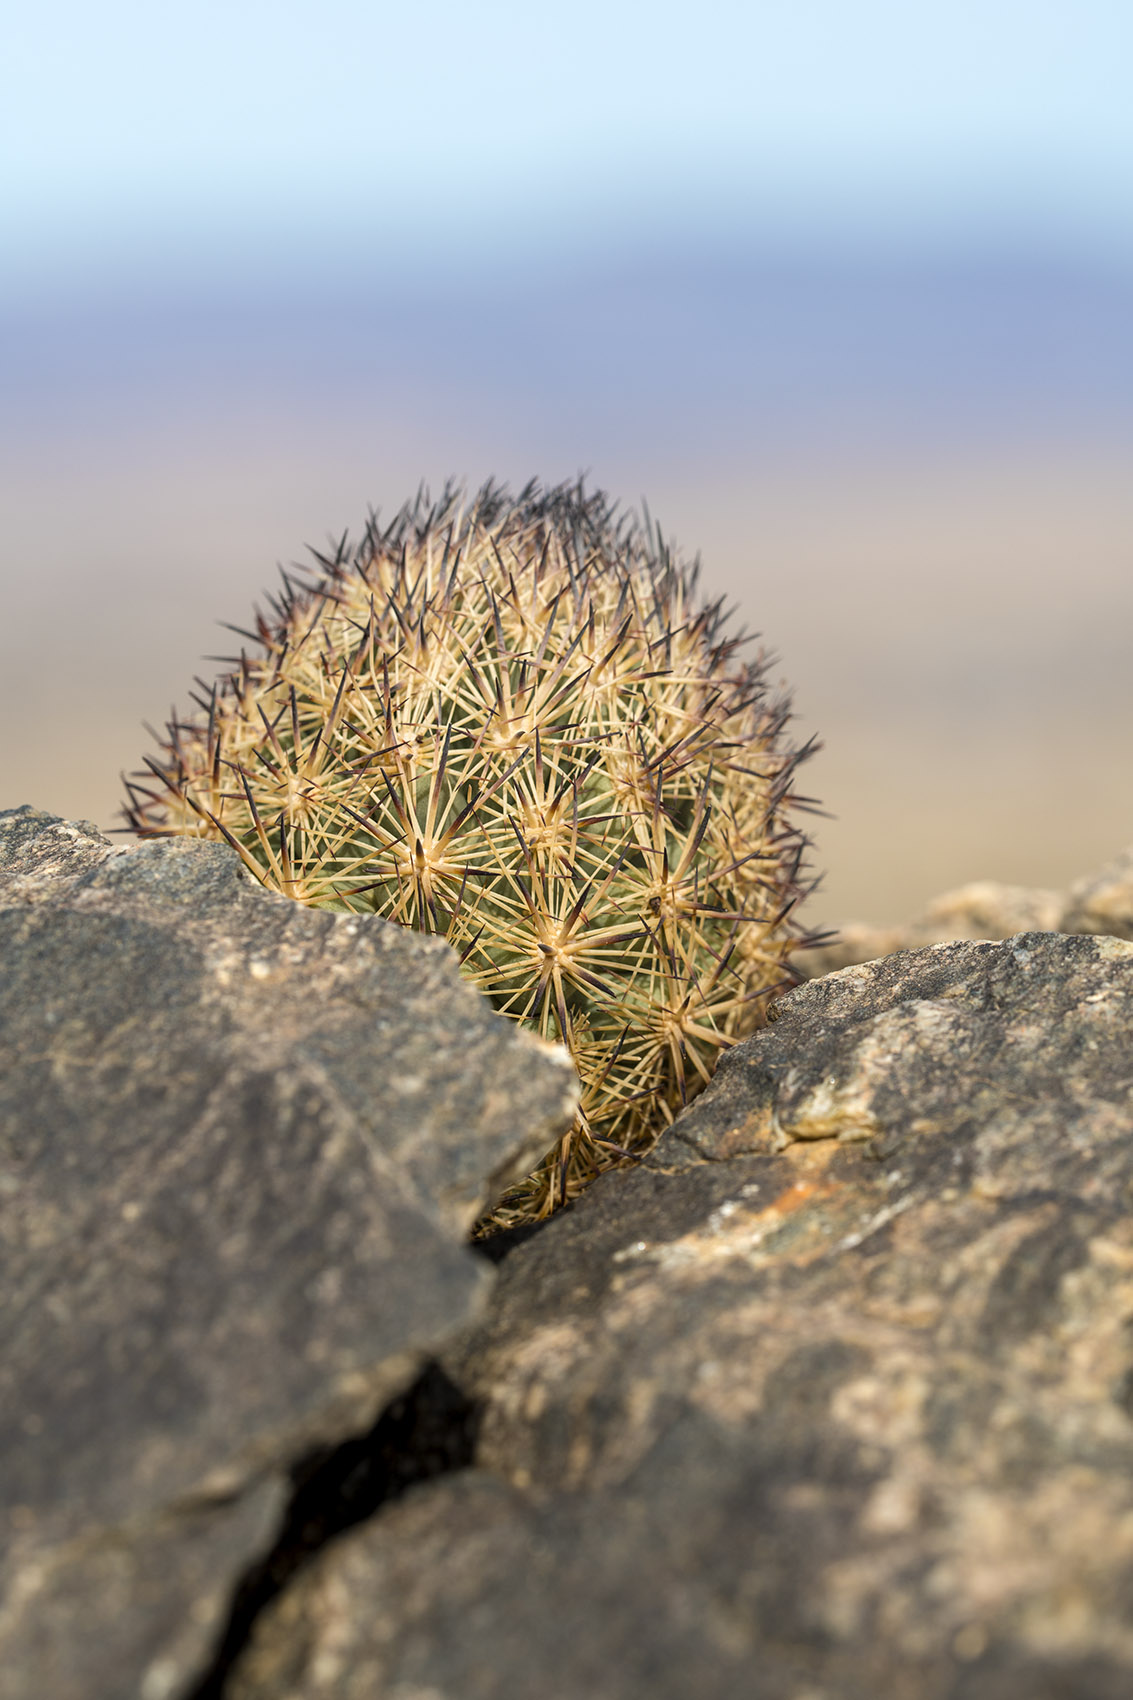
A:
<point x="211" y="134"/>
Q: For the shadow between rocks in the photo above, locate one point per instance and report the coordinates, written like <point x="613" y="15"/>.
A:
<point x="493" y="1248"/>
<point x="430" y="1430"/>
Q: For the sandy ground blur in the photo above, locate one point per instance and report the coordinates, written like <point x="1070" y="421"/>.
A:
<point x="957" y="625"/>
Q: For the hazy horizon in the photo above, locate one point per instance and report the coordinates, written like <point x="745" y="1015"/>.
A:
<point x="913" y="479"/>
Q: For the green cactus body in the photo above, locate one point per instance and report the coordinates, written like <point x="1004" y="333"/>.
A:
<point x="509" y="724"/>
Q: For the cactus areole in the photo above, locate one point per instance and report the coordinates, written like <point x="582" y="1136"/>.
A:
<point x="510" y="722"/>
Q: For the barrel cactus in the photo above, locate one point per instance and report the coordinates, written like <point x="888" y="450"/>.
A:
<point x="508" y="721"/>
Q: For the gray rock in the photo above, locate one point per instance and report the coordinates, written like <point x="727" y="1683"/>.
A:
<point x="240" y="1142"/>
<point x="830" y="1397"/>
<point x="985" y="909"/>
<point x="1102" y="902"/>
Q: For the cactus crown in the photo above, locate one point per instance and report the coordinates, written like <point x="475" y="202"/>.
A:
<point x="507" y="722"/>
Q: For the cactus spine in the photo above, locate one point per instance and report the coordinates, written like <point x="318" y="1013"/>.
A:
<point x="510" y="723"/>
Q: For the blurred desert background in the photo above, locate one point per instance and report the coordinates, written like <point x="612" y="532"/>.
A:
<point x="846" y="293"/>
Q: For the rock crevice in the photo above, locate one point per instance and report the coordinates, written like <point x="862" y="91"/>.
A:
<point x="428" y="1431"/>
<point x="787" y="1415"/>
<point x="241" y="1145"/>
<point x="831" y="1395"/>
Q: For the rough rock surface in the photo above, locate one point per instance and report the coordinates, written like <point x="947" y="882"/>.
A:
<point x="1100" y="903"/>
<point x="240" y="1142"/>
<point x="832" y="1397"/>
